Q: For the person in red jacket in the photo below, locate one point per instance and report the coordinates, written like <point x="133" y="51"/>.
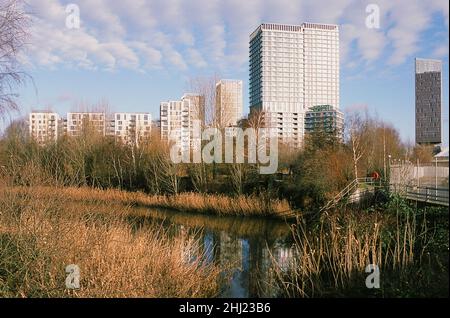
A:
<point x="375" y="175"/>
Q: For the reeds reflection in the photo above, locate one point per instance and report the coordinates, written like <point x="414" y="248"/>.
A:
<point x="245" y="248"/>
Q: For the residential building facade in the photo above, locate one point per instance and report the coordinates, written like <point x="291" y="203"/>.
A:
<point x="45" y="126"/>
<point x="80" y="121"/>
<point x="229" y="102"/>
<point x="292" y="68"/>
<point x="131" y="128"/>
<point x="428" y="88"/>
<point x="325" y="118"/>
<point x="178" y="121"/>
<point x="196" y="107"/>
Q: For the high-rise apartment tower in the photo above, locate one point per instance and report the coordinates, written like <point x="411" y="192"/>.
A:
<point x="292" y="68"/>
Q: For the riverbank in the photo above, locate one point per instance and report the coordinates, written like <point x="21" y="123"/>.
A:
<point x="41" y="235"/>
<point x="404" y="246"/>
<point x="124" y="250"/>
<point x="186" y="202"/>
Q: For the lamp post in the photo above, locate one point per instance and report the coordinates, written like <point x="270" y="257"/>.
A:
<point x="389" y="170"/>
<point x="436" y="175"/>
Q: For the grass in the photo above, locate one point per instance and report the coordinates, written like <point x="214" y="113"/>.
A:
<point x="331" y="255"/>
<point x="270" y="229"/>
<point x="186" y="202"/>
<point x="44" y="229"/>
<point x="40" y="236"/>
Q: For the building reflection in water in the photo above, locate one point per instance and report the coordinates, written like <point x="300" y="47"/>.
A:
<point x="248" y="262"/>
<point x="249" y="252"/>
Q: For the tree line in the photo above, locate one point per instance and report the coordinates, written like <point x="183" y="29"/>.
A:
<point x="306" y="176"/>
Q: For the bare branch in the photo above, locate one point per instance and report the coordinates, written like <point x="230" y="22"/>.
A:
<point x="14" y="24"/>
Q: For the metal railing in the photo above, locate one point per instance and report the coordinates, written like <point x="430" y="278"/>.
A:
<point x="434" y="195"/>
<point x="350" y="188"/>
<point x="426" y="194"/>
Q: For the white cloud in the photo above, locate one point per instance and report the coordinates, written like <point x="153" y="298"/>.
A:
<point x="144" y="34"/>
<point x="185" y="37"/>
<point x="53" y="44"/>
<point x="441" y="51"/>
<point x="196" y="58"/>
<point x="410" y="19"/>
<point x="370" y="43"/>
<point x="151" y="57"/>
<point x="216" y="43"/>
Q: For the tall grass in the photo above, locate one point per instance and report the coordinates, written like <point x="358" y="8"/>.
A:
<point x="242" y="227"/>
<point x="40" y="236"/>
<point x="188" y="202"/>
<point x="331" y="255"/>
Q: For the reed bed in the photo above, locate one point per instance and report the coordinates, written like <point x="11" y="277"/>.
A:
<point x="188" y="202"/>
<point x="332" y="255"/>
<point x="243" y="227"/>
<point x="39" y="237"/>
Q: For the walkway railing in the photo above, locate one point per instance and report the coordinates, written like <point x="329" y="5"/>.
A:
<point x="350" y="189"/>
<point x="433" y="195"/>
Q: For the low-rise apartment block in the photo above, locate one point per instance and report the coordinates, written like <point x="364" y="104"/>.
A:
<point x="131" y="128"/>
<point x="44" y="126"/>
<point x="325" y="118"/>
<point x="85" y="121"/>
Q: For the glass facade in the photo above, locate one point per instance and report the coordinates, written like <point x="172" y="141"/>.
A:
<point x="325" y="118"/>
<point x="428" y="84"/>
<point x="292" y="68"/>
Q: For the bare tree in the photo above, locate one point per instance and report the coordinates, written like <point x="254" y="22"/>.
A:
<point x="238" y="175"/>
<point x="218" y="106"/>
<point x="170" y="173"/>
<point x="162" y="175"/>
<point x="241" y="172"/>
<point x="13" y="34"/>
<point x="423" y="153"/>
<point x="224" y="116"/>
<point x="256" y="119"/>
<point x="199" y="176"/>
<point x="356" y="130"/>
<point x="206" y="87"/>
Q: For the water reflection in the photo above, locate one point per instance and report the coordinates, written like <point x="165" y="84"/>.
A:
<point x="245" y="247"/>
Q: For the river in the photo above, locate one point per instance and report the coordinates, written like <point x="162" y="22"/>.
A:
<point x="246" y="247"/>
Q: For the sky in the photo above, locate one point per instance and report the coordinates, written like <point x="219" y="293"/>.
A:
<point x="135" y="54"/>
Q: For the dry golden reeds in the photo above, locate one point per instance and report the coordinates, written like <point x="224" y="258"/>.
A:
<point x="40" y="236"/>
<point x="188" y="202"/>
<point x="341" y="246"/>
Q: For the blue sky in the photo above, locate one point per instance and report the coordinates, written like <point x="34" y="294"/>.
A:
<point x="137" y="53"/>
